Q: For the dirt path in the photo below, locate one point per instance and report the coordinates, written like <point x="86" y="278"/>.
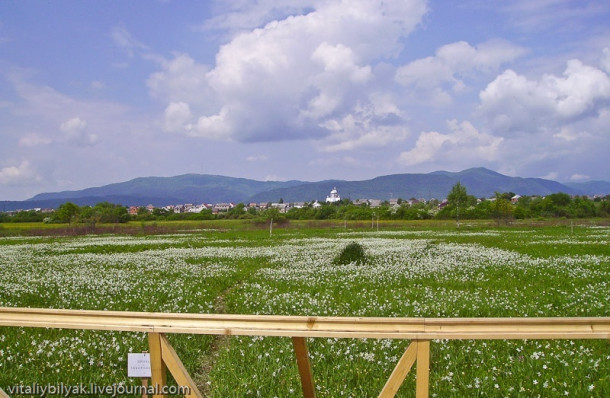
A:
<point x="220" y="343"/>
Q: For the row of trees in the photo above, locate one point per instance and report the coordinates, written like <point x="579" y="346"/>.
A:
<point x="503" y="207"/>
<point x="460" y="205"/>
<point x="70" y="213"/>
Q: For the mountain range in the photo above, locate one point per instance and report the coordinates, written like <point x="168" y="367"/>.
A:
<point x="201" y="188"/>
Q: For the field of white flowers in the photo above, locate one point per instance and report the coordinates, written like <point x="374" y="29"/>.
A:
<point x="509" y="272"/>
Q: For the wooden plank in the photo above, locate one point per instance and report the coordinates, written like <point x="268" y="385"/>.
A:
<point x="313" y="320"/>
<point x="157" y="366"/>
<point x="3" y="394"/>
<point x="304" y="365"/>
<point x="300" y="326"/>
<point x="423" y="369"/>
<point x="400" y="371"/>
<point x="176" y="368"/>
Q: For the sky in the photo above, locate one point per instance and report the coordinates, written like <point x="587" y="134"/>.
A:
<point x="98" y="92"/>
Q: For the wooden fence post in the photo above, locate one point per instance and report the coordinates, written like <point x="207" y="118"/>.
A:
<point x="423" y="369"/>
<point x="300" y="350"/>
<point x="158" y="370"/>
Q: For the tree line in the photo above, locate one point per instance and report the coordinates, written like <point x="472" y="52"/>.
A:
<point x="70" y="213"/>
<point x="459" y="205"/>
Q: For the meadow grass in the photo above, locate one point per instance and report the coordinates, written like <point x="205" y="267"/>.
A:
<point x="412" y="270"/>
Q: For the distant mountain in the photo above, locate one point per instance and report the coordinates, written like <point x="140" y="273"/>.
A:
<point x="200" y="188"/>
<point x="479" y="182"/>
<point x="601" y="188"/>
<point x="482" y="182"/>
<point x="161" y="191"/>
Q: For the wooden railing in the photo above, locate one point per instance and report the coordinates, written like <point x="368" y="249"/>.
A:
<point x="419" y="330"/>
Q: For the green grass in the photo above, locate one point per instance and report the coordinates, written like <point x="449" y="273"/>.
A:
<point x="413" y="269"/>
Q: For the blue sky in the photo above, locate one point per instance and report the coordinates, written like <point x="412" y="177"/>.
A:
<point x="96" y="92"/>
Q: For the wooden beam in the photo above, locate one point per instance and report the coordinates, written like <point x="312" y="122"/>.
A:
<point x="304" y="365"/>
<point x="176" y="368"/>
<point x="301" y="326"/>
<point x="400" y="371"/>
<point x="423" y="369"/>
<point x="158" y="370"/>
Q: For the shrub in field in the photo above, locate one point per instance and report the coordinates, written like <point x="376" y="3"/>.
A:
<point x="352" y="253"/>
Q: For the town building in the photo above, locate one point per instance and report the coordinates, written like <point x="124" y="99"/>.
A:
<point x="333" y="197"/>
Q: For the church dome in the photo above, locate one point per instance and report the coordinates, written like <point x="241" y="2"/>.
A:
<point x="333" y="197"/>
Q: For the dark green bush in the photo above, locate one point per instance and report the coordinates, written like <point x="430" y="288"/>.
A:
<point x="352" y="253"/>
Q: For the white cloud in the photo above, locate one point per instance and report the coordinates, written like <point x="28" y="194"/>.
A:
<point x="289" y="78"/>
<point x="73" y="126"/>
<point x="97" y="85"/>
<point x="63" y="120"/>
<point x="340" y="70"/>
<point x="355" y="132"/>
<point x="373" y="126"/>
<point x="367" y="139"/>
<point x="553" y="175"/>
<point x="215" y="127"/>
<point x="579" y="177"/>
<point x="177" y="116"/>
<point x="340" y="60"/>
<point x="438" y="76"/>
<point x="125" y="40"/>
<point x="22" y="174"/>
<point x="75" y="132"/>
<point x="570" y="134"/>
<point x="257" y="158"/>
<point x="512" y="102"/>
<point x="181" y="79"/>
<point x="464" y="145"/>
<point x="427" y="146"/>
<point x="554" y="153"/>
<point x="33" y="139"/>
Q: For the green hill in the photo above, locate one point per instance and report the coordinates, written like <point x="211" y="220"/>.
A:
<point x="159" y="191"/>
<point x="479" y="182"/>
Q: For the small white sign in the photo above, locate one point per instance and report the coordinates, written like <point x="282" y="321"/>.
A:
<point x="138" y="364"/>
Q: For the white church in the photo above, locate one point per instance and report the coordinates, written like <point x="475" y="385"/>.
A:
<point x="333" y="197"/>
